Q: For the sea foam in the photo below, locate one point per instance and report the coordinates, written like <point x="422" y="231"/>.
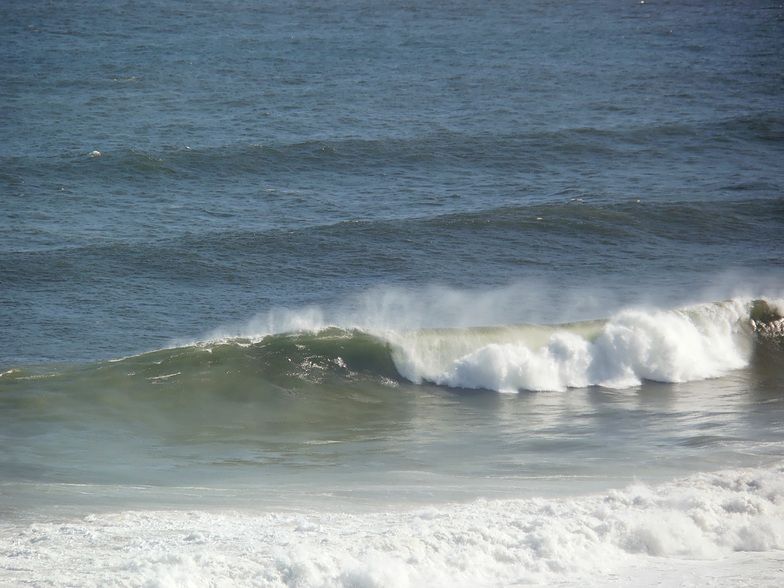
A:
<point x="588" y="541"/>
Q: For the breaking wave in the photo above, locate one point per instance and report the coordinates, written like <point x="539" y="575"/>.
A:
<point x="666" y="346"/>
<point x="693" y="343"/>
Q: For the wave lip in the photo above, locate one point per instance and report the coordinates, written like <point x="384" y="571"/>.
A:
<point x="695" y="343"/>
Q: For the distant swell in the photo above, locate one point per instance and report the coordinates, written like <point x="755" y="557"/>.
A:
<point x="536" y="149"/>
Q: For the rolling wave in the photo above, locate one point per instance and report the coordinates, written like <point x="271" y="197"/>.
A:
<point x="693" y="343"/>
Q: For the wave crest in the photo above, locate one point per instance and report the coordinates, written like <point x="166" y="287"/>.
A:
<point x="667" y="346"/>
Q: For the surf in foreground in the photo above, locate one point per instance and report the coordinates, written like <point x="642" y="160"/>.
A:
<point x="706" y="524"/>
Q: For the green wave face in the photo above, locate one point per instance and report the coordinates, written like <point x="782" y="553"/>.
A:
<point x="318" y="371"/>
<point x="285" y="400"/>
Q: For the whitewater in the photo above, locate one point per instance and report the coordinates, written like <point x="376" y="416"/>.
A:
<point x="722" y="529"/>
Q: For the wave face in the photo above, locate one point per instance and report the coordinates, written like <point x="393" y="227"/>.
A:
<point x="682" y="345"/>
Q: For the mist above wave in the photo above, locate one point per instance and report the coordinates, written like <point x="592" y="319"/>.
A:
<point x="687" y="344"/>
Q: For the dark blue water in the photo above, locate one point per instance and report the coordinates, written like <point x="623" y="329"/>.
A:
<point x="259" y="155"/>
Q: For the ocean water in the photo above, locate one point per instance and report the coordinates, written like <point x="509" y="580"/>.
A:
<point x="391" y="294"/>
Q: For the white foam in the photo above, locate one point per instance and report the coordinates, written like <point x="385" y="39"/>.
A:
<point x="667" y="346"/>
<point x="633" y="537"/>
